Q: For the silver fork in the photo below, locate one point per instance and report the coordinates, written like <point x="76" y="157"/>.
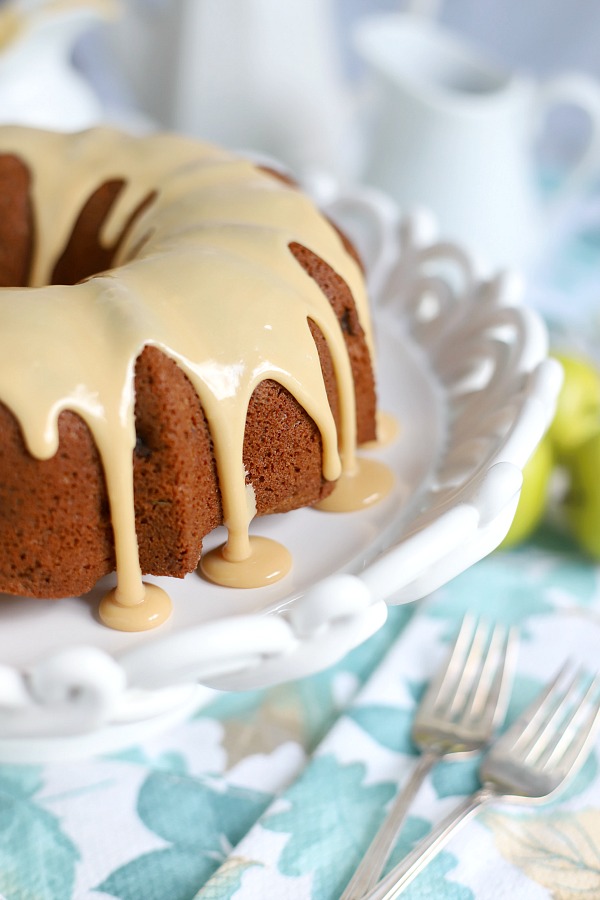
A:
<point x="458" y="714"/>
<point x="546" y="745"/>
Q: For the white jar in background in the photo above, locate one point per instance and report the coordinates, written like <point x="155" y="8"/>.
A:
<point x="266" y="75"/>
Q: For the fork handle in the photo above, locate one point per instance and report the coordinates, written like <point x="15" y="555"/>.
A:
<point x="372" y="863"/>
<point x="422" y="853"/>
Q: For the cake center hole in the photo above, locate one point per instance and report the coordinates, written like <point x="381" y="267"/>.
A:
<point x="83" y="254"/>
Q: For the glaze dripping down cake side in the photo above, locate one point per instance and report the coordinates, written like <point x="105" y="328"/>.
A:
<point x="184" y="342"/>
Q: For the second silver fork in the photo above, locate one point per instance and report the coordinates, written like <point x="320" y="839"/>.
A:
<point x="541" y="751"/>
<point x="459" y="713"/>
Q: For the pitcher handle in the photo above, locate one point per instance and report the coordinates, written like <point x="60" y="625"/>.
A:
<point x="582" y="91"/>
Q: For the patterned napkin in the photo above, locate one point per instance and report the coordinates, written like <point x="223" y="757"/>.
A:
<point x="308" y="842"/>
<point x="277" y="793"/>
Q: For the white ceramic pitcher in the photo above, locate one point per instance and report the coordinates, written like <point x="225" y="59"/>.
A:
<point x="265" y="74"/>
<point x="452" y="131"/>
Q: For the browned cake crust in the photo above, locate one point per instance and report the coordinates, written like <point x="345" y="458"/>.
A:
<point x="55" y="530"/>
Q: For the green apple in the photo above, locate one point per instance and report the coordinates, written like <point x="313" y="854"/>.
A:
<point x="532" y="502"/>
<point x="578" y="407"/>
<point x="582" y="504"/>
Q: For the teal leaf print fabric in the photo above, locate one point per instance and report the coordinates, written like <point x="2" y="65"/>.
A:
<point x="388" y="726"/>
<point x="339" y="803"/>
<point x="432" y="882"/>
<point x="484" y="588"/>
<point x="184" y="810"/>
<point x="202" y="820"/>
<point x="455" y="777"/>
<point x="48" y="874"/>
<point x="226" y="882"/>
<point x="173" y="872"/>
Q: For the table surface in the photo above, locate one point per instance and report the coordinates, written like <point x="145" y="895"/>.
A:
<point x="277" y="793"/>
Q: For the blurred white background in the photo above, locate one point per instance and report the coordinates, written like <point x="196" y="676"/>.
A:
<point x="202" y="66"/>
<point x="281" y="76"/>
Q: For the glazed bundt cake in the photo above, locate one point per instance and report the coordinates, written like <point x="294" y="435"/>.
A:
<point x="164" y="301"/>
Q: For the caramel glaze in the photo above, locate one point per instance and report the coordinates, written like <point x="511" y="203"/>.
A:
<point x="196" y="271"/>
<point x="388" y="429"/>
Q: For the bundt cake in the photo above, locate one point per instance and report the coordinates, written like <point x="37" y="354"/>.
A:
<point x="168" y="302"/>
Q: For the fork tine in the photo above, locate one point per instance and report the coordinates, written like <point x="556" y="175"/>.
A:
<point x="492" y="692"/>
<point x="556" y="721"/>
<point x="580" y="728"/>
<point x="443" y="683"/>
<point x="555" y="710"/>
<point x="527" y="723"/>
<point x="491" y="662"/>
<point x="471" y="670"/>
<point x="505" y="773"/>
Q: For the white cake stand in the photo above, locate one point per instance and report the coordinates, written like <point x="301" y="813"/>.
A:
<point x="463" y="367"/>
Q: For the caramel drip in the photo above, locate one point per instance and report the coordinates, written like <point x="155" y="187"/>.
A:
<point x="388" y="430"/>
<point x="152" y="611"/>
<point x="267" y="563"/>
<point x="205" y="274"/>
<point x="364" y="485"/>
